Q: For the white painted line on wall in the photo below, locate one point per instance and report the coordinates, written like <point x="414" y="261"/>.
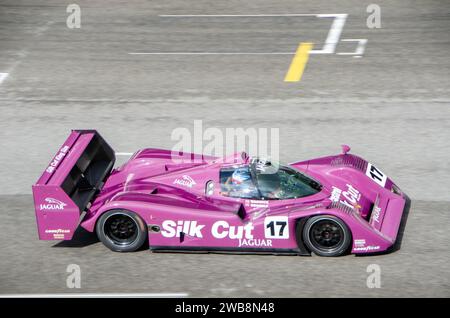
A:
<point x="3" y="76"/>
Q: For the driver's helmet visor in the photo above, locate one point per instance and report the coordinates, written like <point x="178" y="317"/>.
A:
<point x="240" y="176"/>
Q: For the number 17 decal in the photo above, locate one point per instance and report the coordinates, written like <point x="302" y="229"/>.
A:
<point x="276" y="227"/>
<point x="376" y="174"/>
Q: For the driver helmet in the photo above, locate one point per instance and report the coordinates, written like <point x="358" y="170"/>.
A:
<point x="240" y="176"/>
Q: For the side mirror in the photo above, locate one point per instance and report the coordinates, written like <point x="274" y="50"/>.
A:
<point x="242" y="213"/>
<point x="345" y="149"/>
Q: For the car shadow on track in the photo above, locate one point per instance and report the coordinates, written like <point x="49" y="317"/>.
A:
<point x="81" y="238"/>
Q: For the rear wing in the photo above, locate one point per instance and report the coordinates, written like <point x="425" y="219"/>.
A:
<point x="70" y="183"/>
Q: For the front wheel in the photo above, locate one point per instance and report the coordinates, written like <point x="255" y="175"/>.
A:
<point x="121" y="230"/>
<point x="326" y="235"/>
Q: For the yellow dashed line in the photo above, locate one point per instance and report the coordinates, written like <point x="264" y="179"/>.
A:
<point x="298" y="64"/>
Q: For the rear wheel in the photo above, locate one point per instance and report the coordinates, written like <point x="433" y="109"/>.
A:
<point x="326" y="235"/>
<point x="121" y="230"/>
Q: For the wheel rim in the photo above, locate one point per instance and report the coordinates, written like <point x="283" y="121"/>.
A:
<point x="326" y="235"/>
<point x="121" y="229"/>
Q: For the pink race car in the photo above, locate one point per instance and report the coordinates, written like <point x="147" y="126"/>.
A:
<point x="187" y="202"/>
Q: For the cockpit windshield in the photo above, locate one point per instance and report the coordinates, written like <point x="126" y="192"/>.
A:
<point x="285" y="183"/>
<point x="264" y="180"/>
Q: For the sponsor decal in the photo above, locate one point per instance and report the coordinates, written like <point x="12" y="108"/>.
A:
<point x="243" y="233"/>
<point x="376" y="214"/>
<point x="255" y="243"/>
<point x="52" y="204"/>
<point x="351" y="196"/>
<point x="58" y="231"/>
<point x="57" y="159"/>
<point x="58" y="234"/>
<point x="335" y="194"/>
<point x="276" y="227"/>
<point x="369" y="248"/>
<point x="376" y="174"/>
<point x="257" y="203"/>
<point x="222" y="229"/>
<point x="360" y="245"/>
<point x="185" y="181"/>
<point x="219" y="230"/>
<point x="174" y="229"/>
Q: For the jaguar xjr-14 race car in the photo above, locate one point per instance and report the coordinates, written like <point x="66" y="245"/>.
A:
<point x="187" y="202"/>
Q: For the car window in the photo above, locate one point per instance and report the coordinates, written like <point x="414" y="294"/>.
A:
<point x="237" y="182"/>
<point x="285" y="183"/>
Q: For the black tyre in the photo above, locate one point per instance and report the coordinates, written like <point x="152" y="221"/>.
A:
<point x="326" y="235"/>
<point x="121" y="230"/>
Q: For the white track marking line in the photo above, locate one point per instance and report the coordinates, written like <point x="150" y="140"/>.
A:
<point x="236" y="15"/>
<point x="211" y="53"/>
<point x="3" y="76"/>
<point x="98" y="295"/>
<point x="328" y="48"/>
<point x="359" y="49"/>
<point x="334" y="34"/>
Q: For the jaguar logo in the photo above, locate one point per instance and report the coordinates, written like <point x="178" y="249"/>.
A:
<point x="52" y="204"/>
<point x="186" y="181"/>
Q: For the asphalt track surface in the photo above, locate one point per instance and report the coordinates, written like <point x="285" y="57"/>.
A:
<point x="391" y="105"/>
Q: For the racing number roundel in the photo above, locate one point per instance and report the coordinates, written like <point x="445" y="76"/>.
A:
<point x="276" y="227"/>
